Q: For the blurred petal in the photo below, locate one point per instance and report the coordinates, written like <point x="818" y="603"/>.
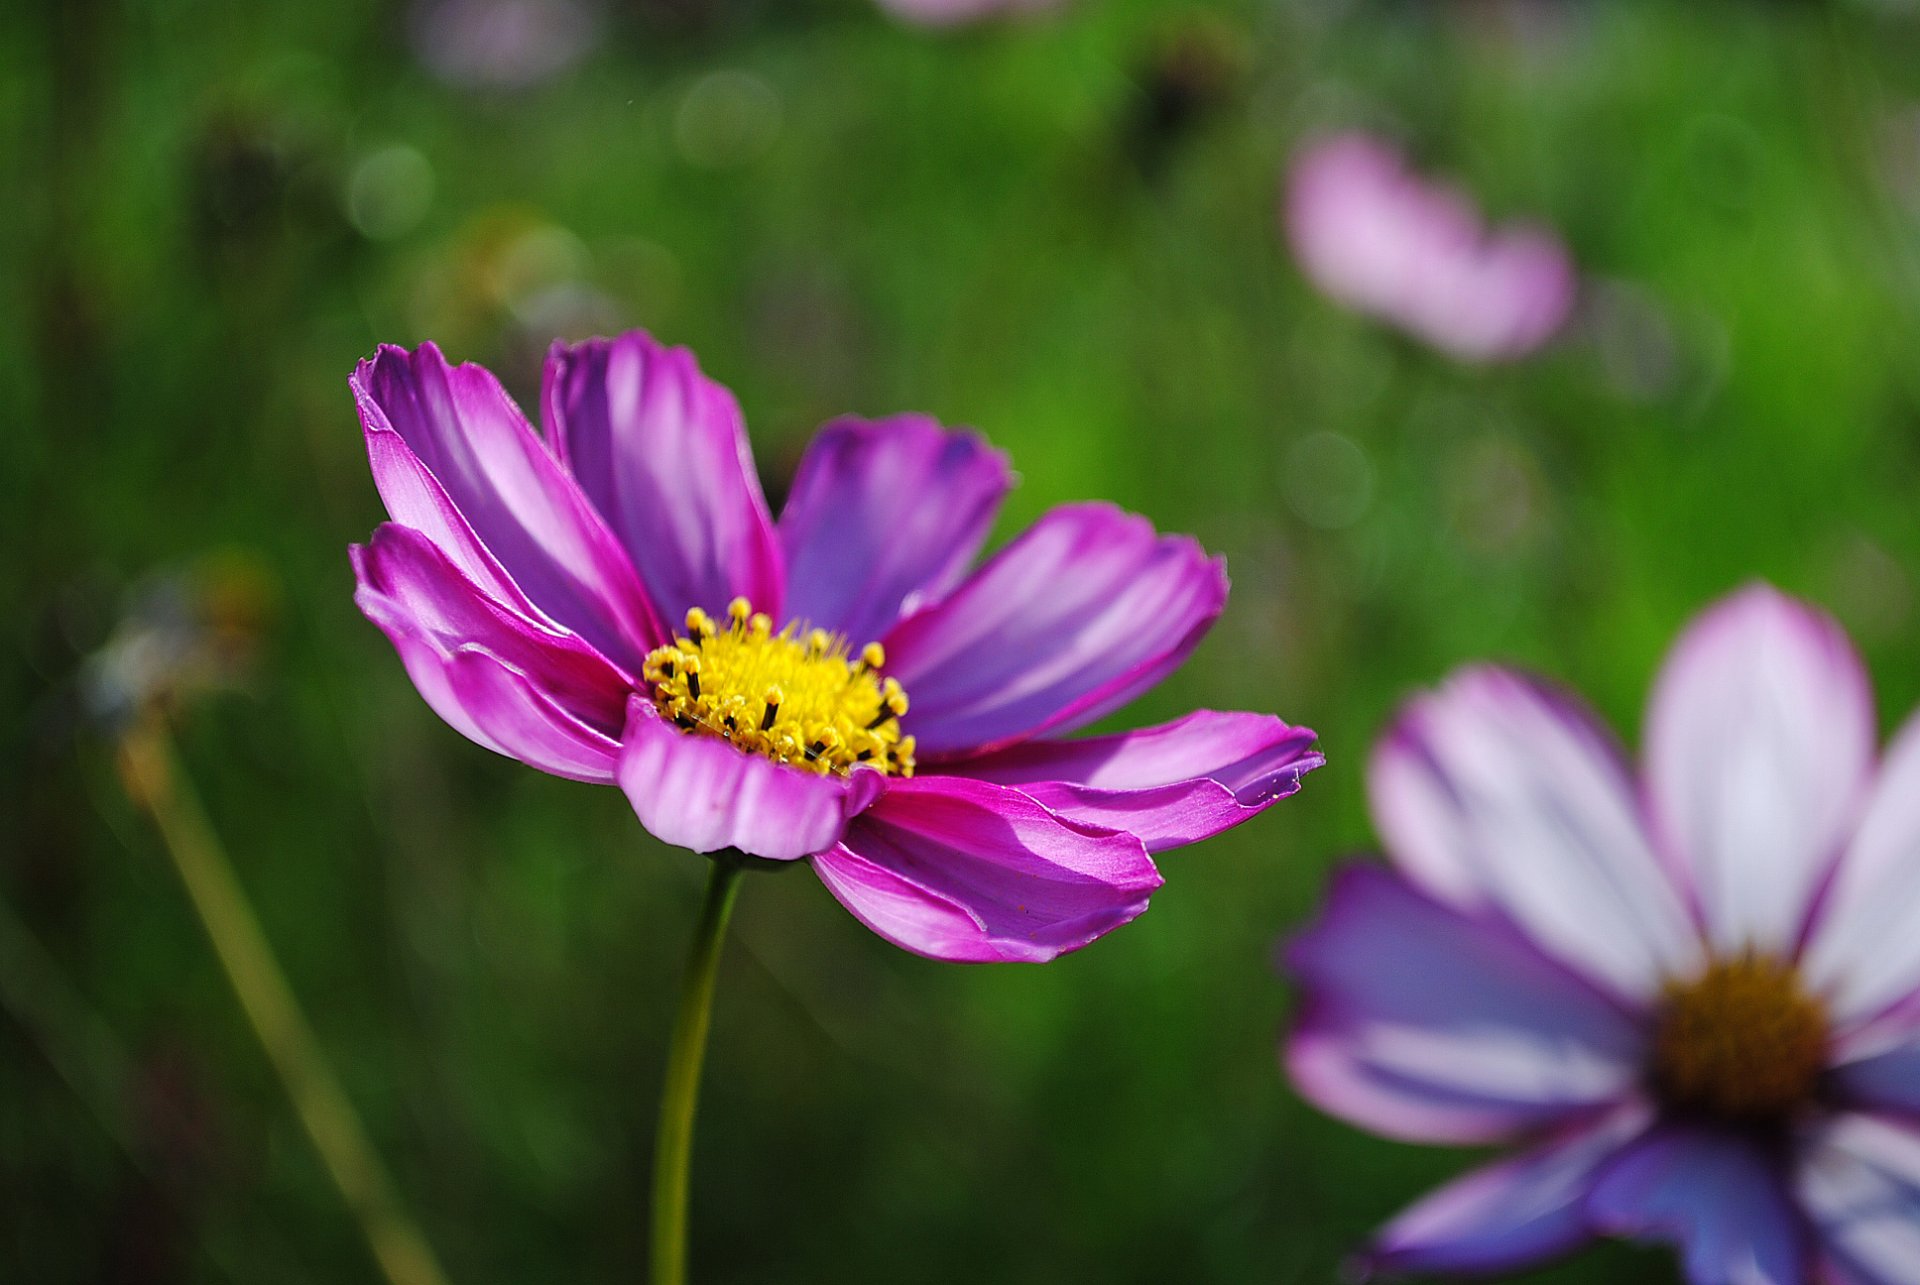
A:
<point x="663" y="452"/>
<point x="1719" y="1197"/>
<point x="1859" y="1181"/>
<point x="701" y="793"/>
<point x="453" y="457"/>
<point x="1760" y="744"/>
<point x="404" y="577"/>
<point x="1381" y="240"/>
<point x="1420" y="1023"/>
<point x="1170" y="785"/>
<point x="1499" y="792"/>
<point x="885" y="515"/>
<point x="1084" y="611"/>
<point x="1887" y="1079"/>
<point x="1507" y="1216"/>
<point x="971" y="872"/>
<point x="1863" y="954"/>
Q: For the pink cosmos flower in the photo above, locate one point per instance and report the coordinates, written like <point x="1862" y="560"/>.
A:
<point x="1384" y="242"/>
<point x="1690" y="997"/>
<point x="612" y="602"/>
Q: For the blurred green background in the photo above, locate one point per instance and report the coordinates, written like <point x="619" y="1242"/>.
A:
<point x="1061" y="231"/>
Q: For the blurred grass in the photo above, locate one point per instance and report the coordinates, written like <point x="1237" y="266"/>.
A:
<point x="1061" y="232"/>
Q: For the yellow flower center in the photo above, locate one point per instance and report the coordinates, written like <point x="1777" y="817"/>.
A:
<point x="1742" y="1041"/>
<point x="796" y="696"/>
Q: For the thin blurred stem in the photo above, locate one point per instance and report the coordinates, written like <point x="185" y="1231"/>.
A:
<point x="680" y="1093"/>
<point x="154" y="779"/>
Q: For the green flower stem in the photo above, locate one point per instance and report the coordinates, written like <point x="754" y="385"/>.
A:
<point x="680" y="1092"/>
<point x="154" y="779"/>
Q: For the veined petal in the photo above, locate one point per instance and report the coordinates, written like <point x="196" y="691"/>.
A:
<point x="972" y="872"/>
<point x="1421" y="1023"/>
<point x="1859" y="1181"/>
<point x="1760" y="745"/>
<point x="885" y="515"/>
<point x="1507" y="1216"/>
<point x="1863" y="953"/>
<point x="701" y="793"/>
<point x="1076" y="617"/>
<point x="1719" y="1197"/>
<point x="454" y="458"/>
<point x="405" y="577"/>
<point x="487" y="700"/>
<point x="662" y="451"/>
<point x="1171" y="785"/>
<point x="1499" y="792"/>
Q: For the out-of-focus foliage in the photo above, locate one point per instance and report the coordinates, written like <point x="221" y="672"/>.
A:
<point x="1062" y="230"/>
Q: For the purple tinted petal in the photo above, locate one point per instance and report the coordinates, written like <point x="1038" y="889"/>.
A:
<point x="1171" y="785"/>
<point x="662" y="450"/>
<point x="1859" y="1181"/>
<point x="404" y="576"/>
<point x="453" y="457"/>
<point x="1423" y="1024"/>
<point x="699" y="792"/>
<point x="1507" y="1216"/>
<point x="1886" y="1080"/>
<point x="1077" y="616"/>
<point x="971" y="872"/>
<point x="1379" y="239"/>
<point x="885" y="515"/>
<point x="1863" y="953"/>
<point x="1499" y="792"/>
<point x="487" y="700"/>
<point x="1719" y="1197"/>
<point x="1760" y="744"/>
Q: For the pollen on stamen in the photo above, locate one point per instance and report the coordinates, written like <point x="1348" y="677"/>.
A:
<point x="1743" y="1041"/>
<point x="800" y="696"/>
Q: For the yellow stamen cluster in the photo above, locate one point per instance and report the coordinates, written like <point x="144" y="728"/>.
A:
<point x="796" y="697"/>
<point x="1743" y="1040"/>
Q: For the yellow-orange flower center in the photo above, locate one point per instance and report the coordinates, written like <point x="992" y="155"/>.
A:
<point x="1743" y="1040"/>
<point x="797" y="696"/>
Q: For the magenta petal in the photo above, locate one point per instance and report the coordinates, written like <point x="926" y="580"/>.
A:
<point x="1760" y="745"/>
<point x="454" y="458"/>
<point x="404" y="576"/>
<point x="1170" y="785"/>
<point x="972" y="872"/>
<point x="885" y="515"/>
<point x="1421" y="1023"/>
<point x="1859" y="1181"/>
<point x="1719" y="1197"/>
<point x="1084" y="611"/>
<point x="662" y="450"/>
<point x="1501" y="793"/>
<point x="699" y="792"/>
<point x="487" y="700"/>
<point x="1508" y="1216"/>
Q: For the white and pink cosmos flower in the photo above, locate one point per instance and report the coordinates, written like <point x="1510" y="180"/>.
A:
<point x="1377" y="238"/>
<point x="1689" y="996"/>
<point x="613" y="602"/>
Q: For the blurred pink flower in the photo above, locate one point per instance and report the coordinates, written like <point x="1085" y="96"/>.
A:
<point x="954" y="13"/>
<point x="1689" y="995"/>
<point x="503" y="44"/>
<point x="1384" y="242"/>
